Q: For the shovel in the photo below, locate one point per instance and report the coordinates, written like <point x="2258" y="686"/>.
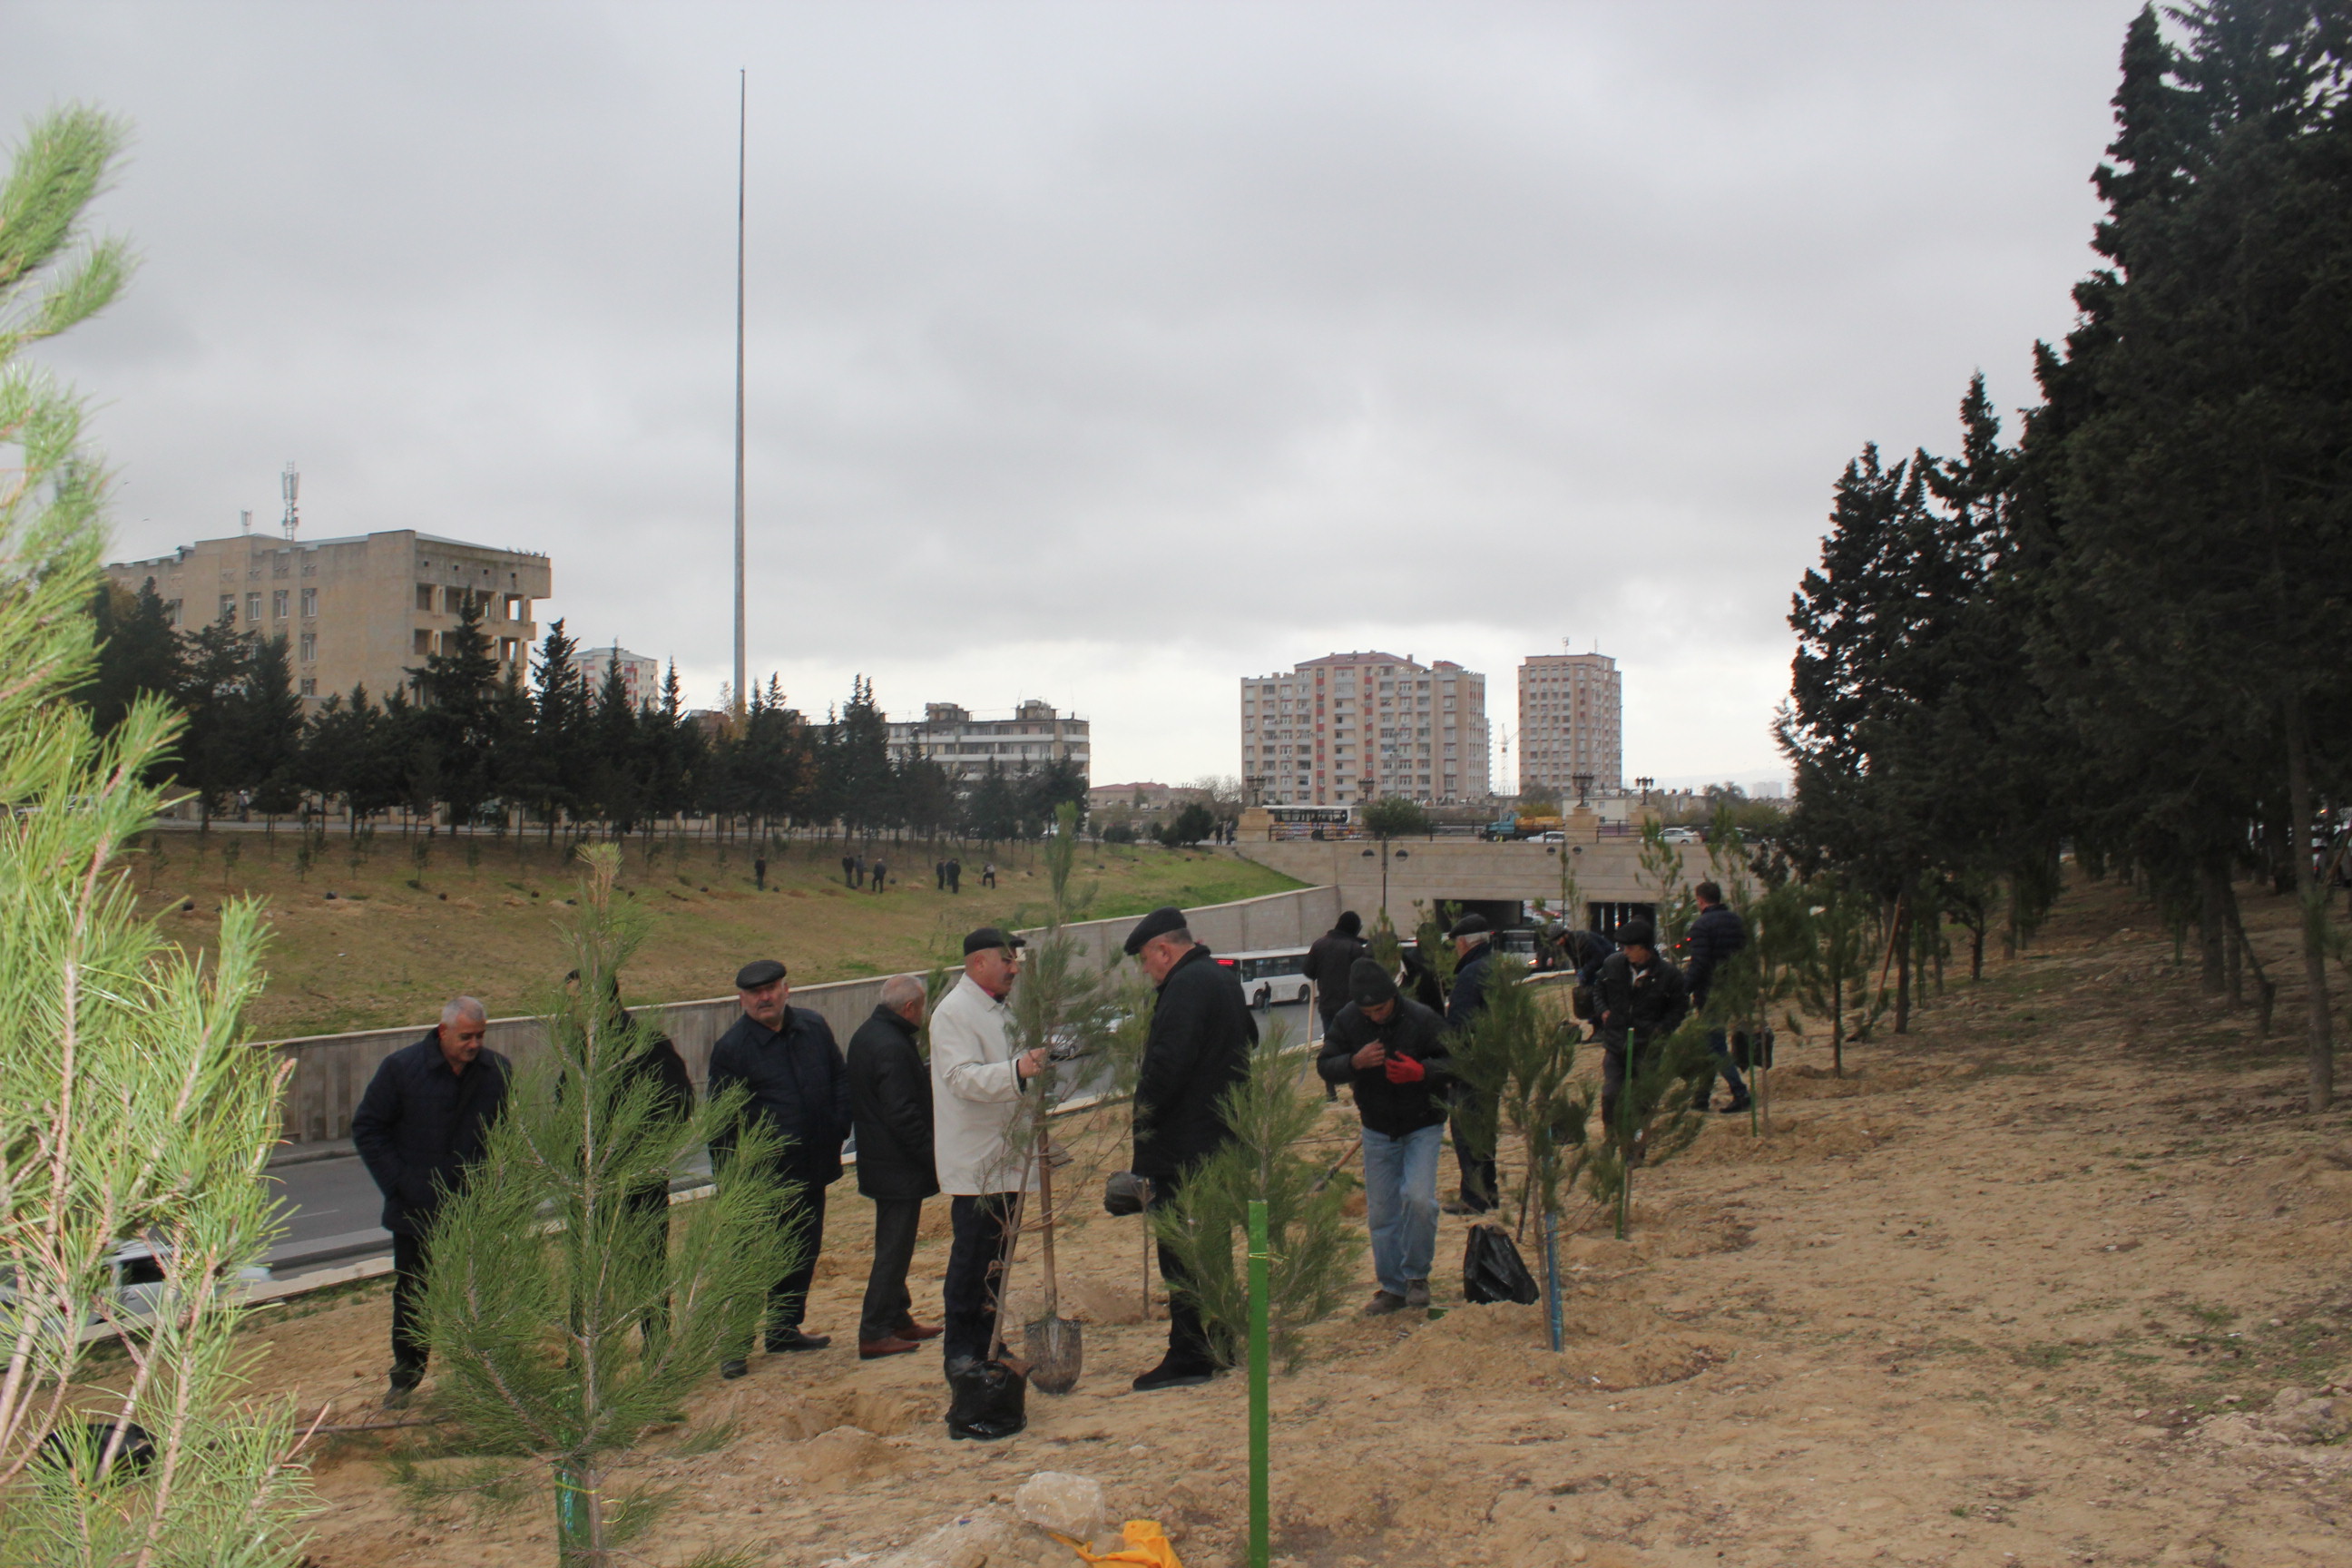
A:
<point x="1055" y="1347"/>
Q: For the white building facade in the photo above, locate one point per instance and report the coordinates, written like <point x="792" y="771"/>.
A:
<point x="966" y="745"/>
<point x="640" y="675"/>
<point x="1571" y="724"/>
<point x="1352" y="726"/>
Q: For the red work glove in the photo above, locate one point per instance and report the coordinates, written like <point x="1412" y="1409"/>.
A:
<point x="1404" y="1069"/>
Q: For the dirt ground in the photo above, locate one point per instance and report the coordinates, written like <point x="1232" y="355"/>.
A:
<point x="2024" y="1288"/>
<point x="397" y="939"/>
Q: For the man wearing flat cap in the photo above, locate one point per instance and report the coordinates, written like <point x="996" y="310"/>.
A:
<point x="1198" y="1048"/>
<point x="797" y="1083"/>
<point x="1474" y="961"/>
<point x="978" y="1088"/>
<point x="1391" y="1051"/>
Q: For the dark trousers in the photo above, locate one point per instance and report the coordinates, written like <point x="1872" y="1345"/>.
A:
<point x="1188" y="1336"/>
<point x="1478" y="1173"/>
<point x="804" y="1218"/>
<point x="653" y="1208"/>
<point x="889" y="1307"/>
<point x="1720" y="1061"/>
<point x="984" y="1226"/>
<point x="408" y="1266"/>
<point x="955" y="881"/>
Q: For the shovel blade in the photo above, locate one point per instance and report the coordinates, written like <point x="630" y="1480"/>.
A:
<point x="1057" y="1351"/>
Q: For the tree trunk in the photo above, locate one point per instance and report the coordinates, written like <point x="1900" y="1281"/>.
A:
<point x="1976" y="950"/>
<point x="1903" y="962"/>
<point x="1837" y="1030"/>
<point x="2311" y="901"/>
<point x="2212" y="890"/>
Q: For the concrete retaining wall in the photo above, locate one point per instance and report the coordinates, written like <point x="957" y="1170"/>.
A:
<point x="332" y="1072"/>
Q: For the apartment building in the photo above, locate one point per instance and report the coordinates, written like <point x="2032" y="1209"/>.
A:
<point x="640" y="676"/>
<point x="965" y="744"/>
<point x="362" y="610"/>
<point x="1571" y="724"/>
<point x="1352" y="726"/>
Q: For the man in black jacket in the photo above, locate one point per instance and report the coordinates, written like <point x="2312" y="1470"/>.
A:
<point x="1328" y="961"/>
<point x="1474" y="962"/>
<point x="1391" y="1051"/>
<point x="1715" y="935"/>
<point x="890" y="1105"/>
<point x="421" y="1128"/>
<point x="786" y="1058"/>
<point x="1198" y="1048"/>
<point x="1643" y="1000"/>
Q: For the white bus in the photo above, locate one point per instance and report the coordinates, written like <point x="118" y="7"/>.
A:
<point x="1272" y="976"/>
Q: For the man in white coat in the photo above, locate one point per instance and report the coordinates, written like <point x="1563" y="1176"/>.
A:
<point x="977" y="1089"/>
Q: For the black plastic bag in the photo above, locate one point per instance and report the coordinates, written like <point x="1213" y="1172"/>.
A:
<point x="1747" y="1049"/>
<point x="987" y="1400"/>
<point x="1493" y="1271"/>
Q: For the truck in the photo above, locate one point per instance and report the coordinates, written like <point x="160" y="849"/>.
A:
<point x="1505" y="829"/>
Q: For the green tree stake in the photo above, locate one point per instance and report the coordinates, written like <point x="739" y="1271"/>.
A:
<point x="1260" y="1354"/>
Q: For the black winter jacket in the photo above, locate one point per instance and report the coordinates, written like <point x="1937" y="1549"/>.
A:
<point x="799" y="1086"/>
<point x="890" y="1104"/>
<point x="1392" y="1109"/>
<point x="1647" y="1002"/>
<point x="1469" y="991"/>
<point x="1715" y="935"/>
<point x="421" y="1129"/>
<point x="1329" y="962"/>
<point x="1198" y="1048"/>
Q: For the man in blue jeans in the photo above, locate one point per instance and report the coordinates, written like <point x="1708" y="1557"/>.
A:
<point x="1390" y="1051"/>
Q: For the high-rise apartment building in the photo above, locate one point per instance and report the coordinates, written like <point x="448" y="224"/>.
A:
<point x="640" y="676"/>
<point x="1571" y="723"/>
<point x="964" y="745"/>
<point x="358" y="611"/>
<point x="1352" y="726"/>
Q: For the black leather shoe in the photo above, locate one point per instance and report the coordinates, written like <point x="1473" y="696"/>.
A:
<point x="1175" y="1374"/>
<point x="733" y="1368"/>
<point x="783" y="1340"/>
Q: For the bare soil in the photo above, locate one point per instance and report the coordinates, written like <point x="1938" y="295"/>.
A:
<point x="2024" y="1287"/>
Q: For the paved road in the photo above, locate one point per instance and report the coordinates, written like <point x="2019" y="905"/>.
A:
<point x="332" y="1204"/>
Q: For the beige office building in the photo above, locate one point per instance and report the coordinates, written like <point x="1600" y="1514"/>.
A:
<point x="1571" y="724"/>
<point x="358" y="611"/>
<point x="965" y="744"/>
<point x="1352" y="726"/>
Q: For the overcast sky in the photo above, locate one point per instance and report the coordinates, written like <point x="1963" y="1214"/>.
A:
<point x="1099" y="353"/>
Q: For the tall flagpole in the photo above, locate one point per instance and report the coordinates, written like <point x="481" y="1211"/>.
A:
<point x="742" y="104"/>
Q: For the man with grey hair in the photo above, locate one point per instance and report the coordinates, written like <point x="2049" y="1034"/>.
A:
<point x="422" y="1128"/>
<point x="890" y="1106"/>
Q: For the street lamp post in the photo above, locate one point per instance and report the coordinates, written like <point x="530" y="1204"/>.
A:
<point x="1386" y="854"/>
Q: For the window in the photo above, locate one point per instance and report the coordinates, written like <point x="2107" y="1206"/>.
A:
<point x="425" y="596"/>
<point x="514" y="607"/>
<point x="278" y="601"/>
<point x="309" y="646"/>
<point x="310" y="686"/>
<point x="310" y="603"/>
<point x="253" y="609"/>
<point x="228" y="606"/>
<point x="424" y="640"/>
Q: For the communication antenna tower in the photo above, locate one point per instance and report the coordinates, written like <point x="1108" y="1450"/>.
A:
<point x="290" y="481"/>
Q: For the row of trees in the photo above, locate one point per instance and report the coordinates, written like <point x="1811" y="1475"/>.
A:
<point x="472" y="741"/>
<point x="2126" y="631"/>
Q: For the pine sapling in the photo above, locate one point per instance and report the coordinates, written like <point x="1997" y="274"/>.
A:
<point x="1658" y="1116"/>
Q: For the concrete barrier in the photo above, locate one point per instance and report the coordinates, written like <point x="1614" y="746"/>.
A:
<point x="332" y="1072"/>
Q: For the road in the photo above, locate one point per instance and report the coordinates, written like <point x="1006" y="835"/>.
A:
<point x="332" y="1204"/>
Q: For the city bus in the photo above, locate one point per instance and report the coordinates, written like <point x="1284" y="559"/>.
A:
<point x="1270" y="977"/>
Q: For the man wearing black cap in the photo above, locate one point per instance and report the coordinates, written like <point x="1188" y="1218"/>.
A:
<point x="1643" y="999"/>
<point x="1333" y="954"/>
<point x="978" y="1088"/>
<point x="1391" y="1051"/>
<point x="1198" y="1048"/>
<point x="798" y="1084"/>
<point x="1473" y="959"/>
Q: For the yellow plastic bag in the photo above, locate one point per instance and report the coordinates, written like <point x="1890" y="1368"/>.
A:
<point x="1146" y="1546"/>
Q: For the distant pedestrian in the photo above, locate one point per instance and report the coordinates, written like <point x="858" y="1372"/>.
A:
<point x="1391" y="1052"/>
<point x="988" y="874"/>
<point x="881" y="872"/>
<point x="890" y="1106"/>
<point x="1329" y="962"/>
<point x="421" y="1128"/>
<point x="1473" y="959"/>
<point x="759" y="872"/>
<point x="1643" y="1000"/>
<point x="955" y="875"/>
<point x="786" y="1059"/>
<point x="979" y="1088"/>
<point x="1198" y="1048"/>
<point x="849" y="869"/>
<point x="939" y="870"/>
<point x="857" y="871"/>
<point x="1714" y="936"/>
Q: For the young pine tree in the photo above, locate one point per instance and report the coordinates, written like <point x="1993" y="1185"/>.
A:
<point x="129" y="1109"/>
<point x="561" y="1345"/>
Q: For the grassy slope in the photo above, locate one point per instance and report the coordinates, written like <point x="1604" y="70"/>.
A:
<point x="383" y="951"/>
